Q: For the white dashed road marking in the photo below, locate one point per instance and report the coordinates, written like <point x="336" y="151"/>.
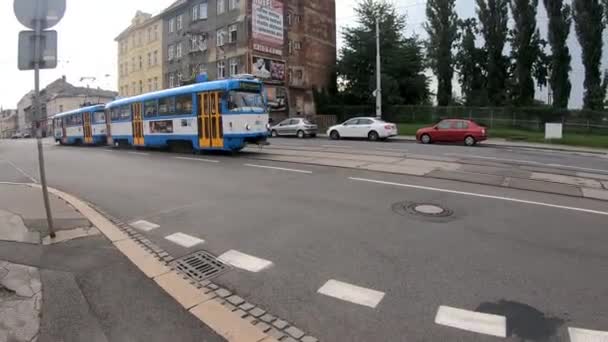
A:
<point x="584" y="335"/>
<point x="139" y="153"/>
<point x="472" y="194"/>
<point x="184" y="240"/>
<point x="199" y="159"/>
<point x="478" y="322"/>
<point x="144" y="225"/>
<point x="351" y="293"/>
<point x="278" y="168"/>
<point x="244" y="261"/>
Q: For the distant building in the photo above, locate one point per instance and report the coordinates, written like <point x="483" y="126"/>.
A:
<point x="59" y="96"/>
<point x="8" y="123"/>
<point x="289" y="44"/>
<point x="140" y="56"/>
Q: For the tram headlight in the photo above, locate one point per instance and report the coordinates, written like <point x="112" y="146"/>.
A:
<point x="248" y="127"/>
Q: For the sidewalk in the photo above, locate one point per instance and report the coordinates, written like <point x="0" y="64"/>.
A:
<point x="81" y="288"/>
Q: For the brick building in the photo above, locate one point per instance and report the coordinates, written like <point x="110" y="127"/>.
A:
<point x="289" y="44"/>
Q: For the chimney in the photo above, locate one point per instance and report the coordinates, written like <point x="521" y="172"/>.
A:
<point x="63" y="78"/>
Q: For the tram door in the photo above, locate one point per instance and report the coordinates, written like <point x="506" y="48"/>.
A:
<point x="210" y="125"/>
<point x="88" y="133"/>
<point x="138" y="125"/>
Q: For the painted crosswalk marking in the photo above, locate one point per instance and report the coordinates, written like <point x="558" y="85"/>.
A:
<point x="351" y="293"/>
<point x="144" y="225"/>
<point x="585" y="335"/>
<point x="478" y="322"/>
<point x="184" y="240"/>
<point x="244" y="261"/>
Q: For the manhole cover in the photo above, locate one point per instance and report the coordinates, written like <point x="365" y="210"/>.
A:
<point x="200" y="266"/>
<point x="421" y="209"/>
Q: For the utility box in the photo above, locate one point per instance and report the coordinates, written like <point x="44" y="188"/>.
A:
<point x="554" y="131"/>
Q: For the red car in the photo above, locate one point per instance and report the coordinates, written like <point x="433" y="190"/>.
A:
<point x="453" y="130"/>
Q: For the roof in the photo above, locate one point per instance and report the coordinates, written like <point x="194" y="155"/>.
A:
<point x="96" y="108"/>
<point x="132" y="27"/>
<point x="193" y="88"/>
<point x="61" y="88"/>
<point x="174" y="5"/>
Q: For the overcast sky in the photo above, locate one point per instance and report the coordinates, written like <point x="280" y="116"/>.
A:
<point x="87" y="47"/>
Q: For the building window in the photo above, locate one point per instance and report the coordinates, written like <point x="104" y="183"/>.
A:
<point x="202" y="10"/>
<point x="234" y="4"/>
<point x="233" y="35"/>
<point x="221" y="69"/>
<point x="179" y="79"/>
<point x="155" y="32"/>
<point x="171" y="81"/>
<point x="234" y="66"/>
<point x="149" y="34"/>
<point x="155" y="83"/>
<point x="171" y="25"/>
<point x="60" y="108"/>
<point x="221" y="33"/>
<point x="120" y="73"/>
<point x="141" y="86"/>
<point x="195" y="13"/>
<point x="149" y="84"/>
<point x="126" y="68"/>
<point x="156" y="57"/>
<point x="149" y="59"/>
<point x="178" y="52"/>
<point x="180" y="22"/>
<point x="133" y="68"/>
<point x="202" y="69"/>
<point x="141" y="63"/>
<point x="171" y="52"/>
<point x="134" y="87"/>
<point x="294" y="45"/>
<point x="221" y="6"/>
<point x="140" y="39"/>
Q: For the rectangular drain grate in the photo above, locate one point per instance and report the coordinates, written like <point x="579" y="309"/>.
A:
<point x="200" y="266"/>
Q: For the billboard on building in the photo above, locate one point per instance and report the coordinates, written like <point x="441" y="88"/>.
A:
<point x="268" y="70"/>
<point x="267" y="26"/>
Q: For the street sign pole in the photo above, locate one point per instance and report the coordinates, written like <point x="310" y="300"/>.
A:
<point x="38" y="116"/>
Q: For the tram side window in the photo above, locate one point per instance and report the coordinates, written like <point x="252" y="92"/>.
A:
<point x="183" y="104"/>
<point x="125" y="112"/>
<point x="150" y="109"/>
<point x="115" y="114"/>
<point x="166" y="106"/>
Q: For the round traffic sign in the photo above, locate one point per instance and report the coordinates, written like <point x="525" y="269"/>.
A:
<point x="48" y="12"/>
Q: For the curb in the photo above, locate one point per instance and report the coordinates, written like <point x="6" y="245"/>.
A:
<point x="204" y="303"/>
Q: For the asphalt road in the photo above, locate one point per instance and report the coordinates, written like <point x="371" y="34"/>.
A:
<point x="539" y="260"/>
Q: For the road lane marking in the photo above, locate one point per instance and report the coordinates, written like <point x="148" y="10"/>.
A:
<point x="278" y="168"/>
<point x="245" y="261"/>
<point x="198" y="159"/>
<point x="585" y="335"/>
<point x="144" y="225"/>
<point x="27" y="175"/>
<point x="509" y="199"/>
<point x="337" y="146"/>
<point x="184" y="240"/>
<point x="478" y="322"/>
<point x="139" y="153"/>
<point x="351" y="293"/>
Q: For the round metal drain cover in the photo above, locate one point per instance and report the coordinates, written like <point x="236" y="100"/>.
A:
<point x="421" y="209"/>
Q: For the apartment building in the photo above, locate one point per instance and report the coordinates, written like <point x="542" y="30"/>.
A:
<point x="140" y="56"/>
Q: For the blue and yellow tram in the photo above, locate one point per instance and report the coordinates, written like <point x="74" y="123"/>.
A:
<point x="85" y="125"/>
<point x="217" y="115"/>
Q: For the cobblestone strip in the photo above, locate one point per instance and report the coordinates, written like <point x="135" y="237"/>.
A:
<point x="280" y="329"/>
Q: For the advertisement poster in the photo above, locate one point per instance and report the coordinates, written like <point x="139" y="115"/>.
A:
<point x="165" y="126"/>
<point x="268" y="69"/>
<point x="267" y="26"/>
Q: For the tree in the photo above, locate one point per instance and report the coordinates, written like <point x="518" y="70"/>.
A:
<point x="525" y="48"/>
<point x="442" y="28"/>
<point x="403" y="79"/>
<point x="470" y="62"/>
<point x="493" y="16"/>
<point x="589" y="24"/>
<point x="560" y="20"/>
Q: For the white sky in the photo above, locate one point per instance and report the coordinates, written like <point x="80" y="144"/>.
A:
<point x="87" y="47"/>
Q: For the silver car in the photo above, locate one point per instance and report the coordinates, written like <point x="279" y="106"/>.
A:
<point x="299" y="127"/>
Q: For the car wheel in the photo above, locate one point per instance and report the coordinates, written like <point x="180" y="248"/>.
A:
<point x="301" y="134"/>
<point x="334" y="135"/>
<point x="274" y="133"/>
<point x="469" y="141"/>
<point x="373" y="136"/>
<point x="425" y="139"/>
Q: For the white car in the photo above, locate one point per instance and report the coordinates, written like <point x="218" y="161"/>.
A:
<point x="364" y="127"/>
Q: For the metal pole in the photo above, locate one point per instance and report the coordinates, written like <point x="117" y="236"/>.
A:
<point x="378" y="73"/>
<point x="38" y="115"/>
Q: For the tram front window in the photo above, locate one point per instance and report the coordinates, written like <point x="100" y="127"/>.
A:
<point x="240" y="101"/>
